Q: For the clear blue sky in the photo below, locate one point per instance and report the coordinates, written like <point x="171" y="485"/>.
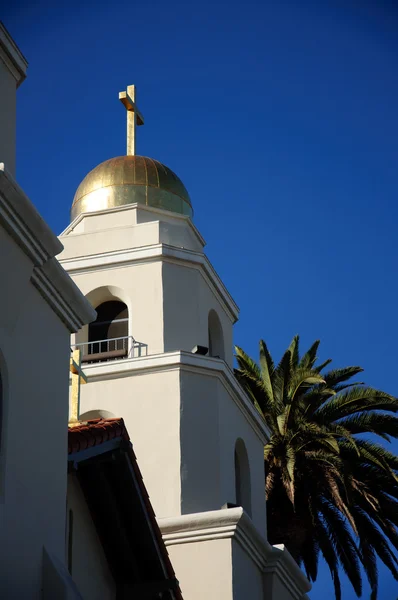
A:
<point x="281" y="119"/>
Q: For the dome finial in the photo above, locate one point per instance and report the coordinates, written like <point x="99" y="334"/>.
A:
<point x="134" y="117"/>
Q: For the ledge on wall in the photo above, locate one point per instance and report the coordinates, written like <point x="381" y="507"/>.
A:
<point x="24" y="224"/>
<point x="234" y="523"/>
<point x="208" y="365"/>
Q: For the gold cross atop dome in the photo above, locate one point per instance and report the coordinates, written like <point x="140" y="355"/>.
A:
<point x="134" y="117"/>
<point x="131" y="179"/>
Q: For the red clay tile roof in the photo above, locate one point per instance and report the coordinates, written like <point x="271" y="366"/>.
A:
<point x="98" y="431"/>
<point x="94" y="432"/>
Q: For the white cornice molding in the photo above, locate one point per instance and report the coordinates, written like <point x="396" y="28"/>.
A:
<point x="62" y="294"/>
<point x="106" y="260"/>
<point x="186" y="361"/>
<point x="23" y="222"/>
<point x="199" y="261"/>
<point x="234" y="523"/>
<point x="139" y="207"/>
<point x="12" y="56"/>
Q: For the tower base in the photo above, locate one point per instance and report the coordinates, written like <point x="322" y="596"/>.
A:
<point x="220" y="555"/>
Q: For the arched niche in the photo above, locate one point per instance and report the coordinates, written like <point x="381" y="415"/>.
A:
<point x="108" y="337"/>
<point x="216" y="336"/>
<point x="242" y="477"/>
<point x="97" y="414"/>
<point x="106" y="293"/>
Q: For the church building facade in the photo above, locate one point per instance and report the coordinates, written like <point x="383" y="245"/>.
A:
<point x="159" y="354"/>
<point x="76" y="522"/>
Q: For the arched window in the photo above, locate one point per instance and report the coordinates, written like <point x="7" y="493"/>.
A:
<point x="216" y="338"/>
<point x="242" y="477"/>
<point x="108" y="334"/>
<point x="111" y="321"/>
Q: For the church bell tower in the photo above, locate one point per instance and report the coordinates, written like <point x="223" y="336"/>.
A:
<point x="159" y="354"/>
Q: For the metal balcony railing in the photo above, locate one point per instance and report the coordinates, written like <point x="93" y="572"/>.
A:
<point x="111" y="349"/>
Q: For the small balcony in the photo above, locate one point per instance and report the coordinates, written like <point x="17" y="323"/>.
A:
<point x="99" y="351"/>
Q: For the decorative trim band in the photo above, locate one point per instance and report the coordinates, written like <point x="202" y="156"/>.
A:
<point x="236" y="524"/>
<point x="62" y="294"/>
<point x="12" y="56"/>
<point x="22" y="221"/>
<point x="134" y="206"/>
<point x="187" y="361"/>
<point x="108" y="260"/>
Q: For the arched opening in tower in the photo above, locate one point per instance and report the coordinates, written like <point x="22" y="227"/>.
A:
<point x="108" y="335"/>
<point x="216" y="337"/>
<point x="242" y="477"/>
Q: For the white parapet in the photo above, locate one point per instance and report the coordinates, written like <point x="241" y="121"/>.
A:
<point x="225" y="546"/>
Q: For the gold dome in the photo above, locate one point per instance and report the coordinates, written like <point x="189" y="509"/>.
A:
<point x="129" y="179"/>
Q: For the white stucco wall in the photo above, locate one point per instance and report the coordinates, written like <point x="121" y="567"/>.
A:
<point x="183" y="419"/>
<point x="184" y="423"/>
<point x="234" y="558"/>
<point x="160" y="227"/>
<point x="170" y="297"/>
<point x="275" y="588"/>
<point x="139" y="287"/>
<point x="150" y="406"/>
<point x="12" y="73"/>
<point x="122" y="237"/>
<point x="187" y="301"/>
<point x="34" y="348"/>
<point x="201" y="467"/>
<point x="232" y="427"/>
<point x="223" y="571"/>
<point x="134" y="226"/>
<point x="204" y="569"/>
<point x="90" y="569"/>
<point x="8" y="89"/>
<point x="211" y="423"/>
<point x="247" y="577"/>
<point x="39" y="308"/>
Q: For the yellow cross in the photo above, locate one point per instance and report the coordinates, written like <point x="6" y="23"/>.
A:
<point x="134" y="117"/>
<point x="78" y="377"/>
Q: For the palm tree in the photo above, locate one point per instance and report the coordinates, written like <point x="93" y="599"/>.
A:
<point x="329" y="489"/>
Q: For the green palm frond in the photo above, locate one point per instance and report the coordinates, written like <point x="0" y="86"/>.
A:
<point x="344" y="386"/>
<point x="378" y="423"/>
<point x="309" y="558"/>
<point x="367" y="552"/>
<point x="267" y="369"/>
<point x="246" y="364"/>
<point x="354" y="400"/>
<point x="338" y="376"/>
<point x="327" y="486"/>
<point x="281" y="378"/>
<point x="309" y="358"/>
<point x="374" y="453"/>
<point x="267" y="356"/>
<point x="301" y="380"/>
<point x="320" y="367"/>
<point x="343" y="543"/>
<point x="327" y="548"/>
<point x="378" y="543"/>
<point x="294" y="351"/>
